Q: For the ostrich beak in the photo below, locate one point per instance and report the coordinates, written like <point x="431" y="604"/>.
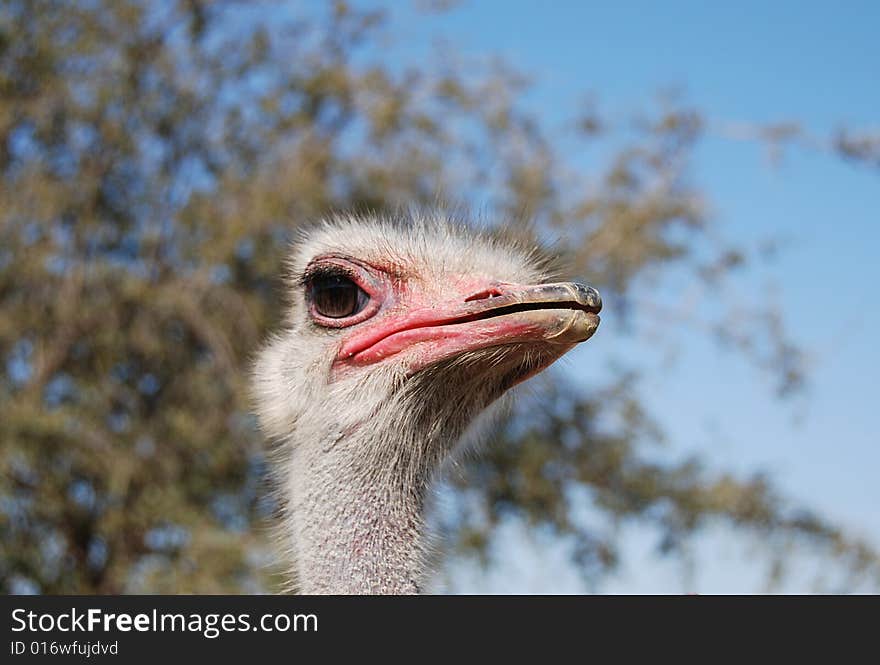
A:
<point x="557" y="315"/>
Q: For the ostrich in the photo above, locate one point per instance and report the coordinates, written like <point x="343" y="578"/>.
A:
<point x="400" y="334"/>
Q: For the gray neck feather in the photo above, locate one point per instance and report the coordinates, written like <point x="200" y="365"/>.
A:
<point x="356" y="485"/>
<point x="354" y="531"/>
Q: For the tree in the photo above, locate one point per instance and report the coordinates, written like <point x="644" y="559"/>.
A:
<point x="155" y="160"/>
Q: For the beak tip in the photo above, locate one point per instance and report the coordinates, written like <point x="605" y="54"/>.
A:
<point x="589" y="297"/>
<point x="595" y="300"/>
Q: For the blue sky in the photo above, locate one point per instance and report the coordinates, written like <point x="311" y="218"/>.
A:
<point x="817" y="63"/>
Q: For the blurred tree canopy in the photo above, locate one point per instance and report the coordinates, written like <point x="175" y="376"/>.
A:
<point x="155" y="160"/>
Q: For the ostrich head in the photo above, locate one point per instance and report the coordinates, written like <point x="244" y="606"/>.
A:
<point x="399" y="334"/>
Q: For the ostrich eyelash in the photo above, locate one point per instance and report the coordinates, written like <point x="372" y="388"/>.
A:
<point x="314" y="272"/>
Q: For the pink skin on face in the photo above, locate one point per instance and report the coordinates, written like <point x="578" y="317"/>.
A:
<point x="438" y="338"/>
<point x="432" y="331"/>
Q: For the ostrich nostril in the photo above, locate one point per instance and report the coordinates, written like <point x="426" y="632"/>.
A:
<point x="485" y="294"/>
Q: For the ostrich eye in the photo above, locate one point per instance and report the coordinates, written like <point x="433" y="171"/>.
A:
<point x="336" y="296"/>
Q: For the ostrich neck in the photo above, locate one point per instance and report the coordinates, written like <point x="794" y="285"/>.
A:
<point x="356" y="488"/>
<point x="355" y="531"/>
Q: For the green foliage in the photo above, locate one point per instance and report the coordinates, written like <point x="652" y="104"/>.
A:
<point x="156" y="158"/>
